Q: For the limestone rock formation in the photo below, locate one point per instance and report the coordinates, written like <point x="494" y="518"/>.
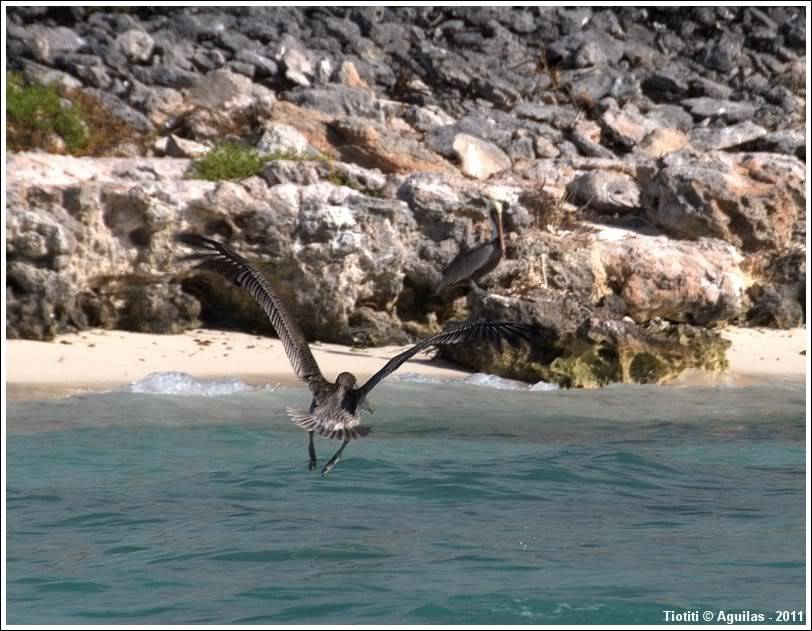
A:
<point x="651" y="172"/>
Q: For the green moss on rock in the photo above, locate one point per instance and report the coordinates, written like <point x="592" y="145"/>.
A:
<point x="234" y="161"/>
<point x="38" y="113"/>
<point x="600" y="352"/>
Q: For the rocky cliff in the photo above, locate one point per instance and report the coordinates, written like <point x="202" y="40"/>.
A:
<point x="650" y="162"/>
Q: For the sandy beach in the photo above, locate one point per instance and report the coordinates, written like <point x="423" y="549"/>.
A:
<point x="767" y="352"/>
<point x="99" y="360"/>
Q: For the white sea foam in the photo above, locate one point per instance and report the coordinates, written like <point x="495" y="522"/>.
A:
<point x="543" y="386"/>
<point x="492" y="381"/>
<point x="483" y="380"/>
<point x="413" y="377"/>
<point x="183" y="384"/>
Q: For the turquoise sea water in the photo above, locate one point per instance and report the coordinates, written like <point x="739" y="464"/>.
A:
<point x="466" y="505"/>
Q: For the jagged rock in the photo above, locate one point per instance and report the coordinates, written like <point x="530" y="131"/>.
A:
<point x="279" y="137"/>
<point x="585" y="48"/>
<point x="606" y="101"/>
<point x="576" y="347"/>
<point x="605" y="191"/>
<point x="38" y="73"/>
<point x="177" y="147"/>
<point x="586" y="136"/>
<point x="152" y="308"/>
<point x="312" y="124"/>
<point x="294" y="172"/>
<point x="46" y="43"/>
<point x="235" y="116"/>
<point x="707" y="139"/>
<point x="335" y="99"/>
<point x="478" y="158"/>
<point x="166" y="75"/>
<point x="662" y="85"/>
<point x="136" y="45"/>
<point x="497" y="129"/>
<point x="427" y="118"/>
<point x="297" y="67"/>
<point x="560" y="116"/>
<point x="748" y="199"/>
<point x="372" y="145"/>
<point x="545" y="148"/>
<point x="89" y="68"/>
<point x="348" y="75"/>
<point x="681" y="281"/>
<point x="600" y="82"/>
<point x="723" y="53"/>
<point x="672" y="116"/>
<point x="779" y="291"/>
<point x="263" y="66"/>
<point x="222" y="89"/>
<point x="660" y="142"/>
<point x="163" y="105"/>
<point x="242" y="68"/>
<point x="728" y="111"/>
<point x="35" y="237"/>
<point x="102" y="230"/>
<point x="235" y="41"/>
<point x="774" y="307"/>
<point x="627" y="126"/>
<point x="208" y="60"/>
<point x="710" y="88"/>
<point x="789" y="141"/>
<point x="118" y="108"/>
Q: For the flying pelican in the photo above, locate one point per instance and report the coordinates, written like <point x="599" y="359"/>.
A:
<point x="473" y="264"/>
<point x="334" y="409"/>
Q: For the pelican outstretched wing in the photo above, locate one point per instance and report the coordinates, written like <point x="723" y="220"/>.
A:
<point x="215" y="257"/>
<point x="473" y="332"/>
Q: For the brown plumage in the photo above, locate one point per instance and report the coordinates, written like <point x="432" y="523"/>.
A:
<point x="334" y="409"/>
<point x="471" y="265"/>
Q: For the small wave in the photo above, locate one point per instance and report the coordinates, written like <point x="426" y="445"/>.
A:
<point x="492" y="381"/>
<point x="500" y="383"/>
<point x="413" y="377"/>
<point x="543" y="386"/>
<point x="183" y="384"/>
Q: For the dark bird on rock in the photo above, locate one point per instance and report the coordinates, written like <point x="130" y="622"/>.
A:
<point x="335" y="407"/>
<point x="471" y="265"/>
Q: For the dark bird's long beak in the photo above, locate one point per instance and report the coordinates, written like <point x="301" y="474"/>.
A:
<point x="366" y="405"/>
<point x="500" y="226"/>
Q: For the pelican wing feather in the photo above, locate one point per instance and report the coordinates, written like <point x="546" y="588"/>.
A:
<point x="468" y="333"/>
<point x="219" y="258"/>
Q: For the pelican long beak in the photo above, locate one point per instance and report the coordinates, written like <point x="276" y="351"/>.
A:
<point x="366" y="405"/>
<point x="500" y="227"/>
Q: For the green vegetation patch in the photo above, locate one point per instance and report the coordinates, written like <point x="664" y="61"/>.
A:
<point x="62" y="121"/>
<point x="234" y="161"/>
<point x="35" y="113"/>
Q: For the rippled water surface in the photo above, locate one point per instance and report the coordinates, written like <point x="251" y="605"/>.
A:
<point x="467" y="504"/>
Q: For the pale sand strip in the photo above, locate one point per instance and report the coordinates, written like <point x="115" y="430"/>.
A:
<point x="758" y="356"/>
<point x="767" y="351"/>
<point x="101" y="360"/>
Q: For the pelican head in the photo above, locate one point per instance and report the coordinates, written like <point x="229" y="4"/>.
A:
<point x="346" y="380"/>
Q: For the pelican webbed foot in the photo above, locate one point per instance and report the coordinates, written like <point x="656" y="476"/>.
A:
<point x="334" y="460"/>
<point x="311" y="450"/>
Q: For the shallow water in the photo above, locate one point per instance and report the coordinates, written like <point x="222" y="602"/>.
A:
<point x="467" y="504"/>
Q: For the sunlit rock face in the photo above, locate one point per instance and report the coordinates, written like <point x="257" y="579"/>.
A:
<point x="652" y="178"/>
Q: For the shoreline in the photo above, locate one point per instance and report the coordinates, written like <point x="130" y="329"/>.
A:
<point x="99" y="360"/>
